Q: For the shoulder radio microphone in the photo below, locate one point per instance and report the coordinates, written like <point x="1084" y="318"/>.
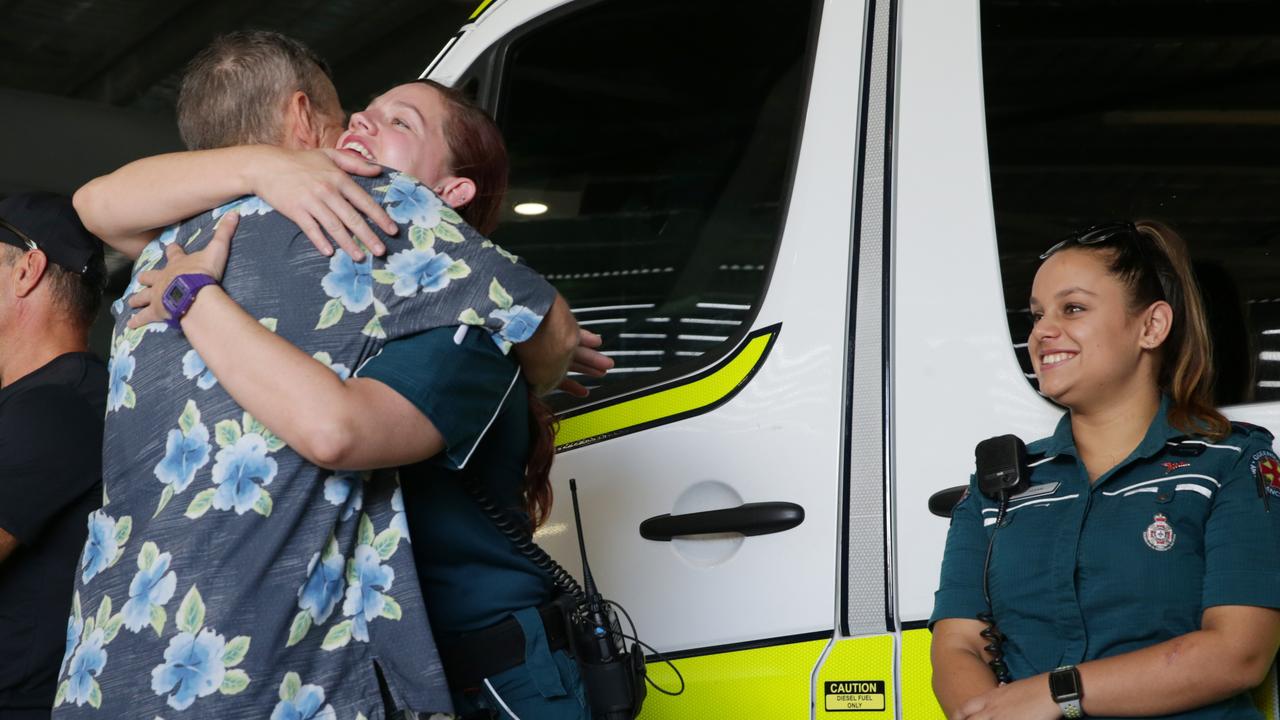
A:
<point x="1001" y="469"/>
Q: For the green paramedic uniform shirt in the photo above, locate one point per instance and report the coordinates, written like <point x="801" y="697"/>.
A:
<point x="471" y="574"/>
<point x="1083" y="572"/>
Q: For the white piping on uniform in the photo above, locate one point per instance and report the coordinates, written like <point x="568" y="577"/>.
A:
<point x="496" y="412"/>
<point x="501" y="702"/>
<point x="1041" y="461"/>
<point x="1195" y="488"/>
<point x="1160" y="480"/>
<point x="1033" y="501"/>
<point x="1143" y="490"/>
<point x="1201" y="442"/>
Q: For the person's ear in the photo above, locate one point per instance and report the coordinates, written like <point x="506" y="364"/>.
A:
<point x="27" y="272"/>
<point x="1157" y="323"/>
<point x="456" y="191"/>
<point x="303" y="127"/>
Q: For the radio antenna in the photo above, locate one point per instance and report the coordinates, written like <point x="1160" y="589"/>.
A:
<point x="589" y="583"/>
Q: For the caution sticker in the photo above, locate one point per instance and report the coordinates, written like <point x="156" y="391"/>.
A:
<point x="855" y="695"/>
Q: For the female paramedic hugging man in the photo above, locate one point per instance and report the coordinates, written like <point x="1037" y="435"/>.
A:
<point x="472" y="578"/>
<point x="1139" y="573"/>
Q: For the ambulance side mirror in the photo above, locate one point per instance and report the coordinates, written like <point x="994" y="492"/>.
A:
<point x="943" y="502"/>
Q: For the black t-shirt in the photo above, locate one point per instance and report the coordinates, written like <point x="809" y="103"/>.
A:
<point x="50" y="480"/>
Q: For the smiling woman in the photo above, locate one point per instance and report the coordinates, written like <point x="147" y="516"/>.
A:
<point x="1143" y="485"/>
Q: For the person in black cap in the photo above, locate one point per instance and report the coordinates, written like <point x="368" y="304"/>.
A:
<point x="52" y="401"/>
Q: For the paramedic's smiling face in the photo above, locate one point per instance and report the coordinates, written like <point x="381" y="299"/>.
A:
<point x="1086" y="344"/>
<point x="403" y="129"/>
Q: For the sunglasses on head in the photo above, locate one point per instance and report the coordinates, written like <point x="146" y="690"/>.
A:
<point x="1093" y="236"/>
<point x="31" y="244"/>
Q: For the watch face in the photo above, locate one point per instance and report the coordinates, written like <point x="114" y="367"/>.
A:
<point x="1064" y="684"/>
<point x="175" y="294"/>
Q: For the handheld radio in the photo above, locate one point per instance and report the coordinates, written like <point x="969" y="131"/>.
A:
<point x="613" y="675"/>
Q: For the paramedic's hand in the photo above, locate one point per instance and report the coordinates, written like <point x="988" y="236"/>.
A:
<point x="211" y="261"/>
<point x="587" y="360"/>
<point x="313" y="189"/>
<point x="1027" y="699"/>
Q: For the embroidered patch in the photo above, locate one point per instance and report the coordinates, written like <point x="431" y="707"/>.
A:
<point x="1171" y="466"/>
<point x="1266" y="470"/>
<point x="1159" y="534"/>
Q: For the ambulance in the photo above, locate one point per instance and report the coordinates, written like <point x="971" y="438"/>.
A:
<point x="807" y="231"/>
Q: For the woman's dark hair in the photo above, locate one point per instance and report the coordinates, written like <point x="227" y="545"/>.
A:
<point x="476" y="151"/>
<point x="1154" y="265"/>
<point x="537" y="469"/>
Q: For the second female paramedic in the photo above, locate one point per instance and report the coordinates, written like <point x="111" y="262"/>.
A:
<point x="1139" y="574"/>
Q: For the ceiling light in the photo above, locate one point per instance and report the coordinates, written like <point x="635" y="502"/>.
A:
<point x="530" y="208"/>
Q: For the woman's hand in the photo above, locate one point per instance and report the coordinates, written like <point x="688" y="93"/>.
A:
<point x="211" y="261"/>
<point x="1027" y="699"/>
<point x="313" y="189"/>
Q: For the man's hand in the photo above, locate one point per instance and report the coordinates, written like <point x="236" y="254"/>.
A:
<point x="587" y="360"/>
<point x="210" y="261"/>
<point x="313" y="189"/>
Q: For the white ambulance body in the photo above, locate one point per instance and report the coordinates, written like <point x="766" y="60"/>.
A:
<point x="871" y="353"/>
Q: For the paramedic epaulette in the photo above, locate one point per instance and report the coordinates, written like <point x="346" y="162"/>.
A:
<point x="1251" y="429"/>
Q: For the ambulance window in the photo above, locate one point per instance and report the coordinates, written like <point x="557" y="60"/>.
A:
<point x="657" y="139"/>
<point x="1101" y="111"/>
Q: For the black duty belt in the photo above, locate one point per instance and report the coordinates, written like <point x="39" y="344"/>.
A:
<point x="471" y="657"/>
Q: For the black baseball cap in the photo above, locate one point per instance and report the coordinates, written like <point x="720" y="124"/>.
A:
<point x="50" y="223"/>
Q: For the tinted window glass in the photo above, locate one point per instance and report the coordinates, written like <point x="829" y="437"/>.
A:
<point x="660" y="136"/>
<point x="1167" y="110"/>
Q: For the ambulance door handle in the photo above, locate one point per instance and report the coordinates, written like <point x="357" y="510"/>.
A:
<point x="759" y="518"/>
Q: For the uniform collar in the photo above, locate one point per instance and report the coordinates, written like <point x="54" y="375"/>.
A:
<point x="1158" y="433"/>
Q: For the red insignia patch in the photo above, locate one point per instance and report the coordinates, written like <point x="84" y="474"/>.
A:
<point x="1266" y="468"/>
<point x="1171" y="466"/>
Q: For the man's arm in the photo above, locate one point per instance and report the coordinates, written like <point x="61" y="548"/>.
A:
<point x="544" y="358"/>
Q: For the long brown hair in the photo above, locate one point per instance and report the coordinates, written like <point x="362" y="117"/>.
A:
<point x="537" y="469"/>
<point x="476" y="151"/>
<point x="1155" y="266"/>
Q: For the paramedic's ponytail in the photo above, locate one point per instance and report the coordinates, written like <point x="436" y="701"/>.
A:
<point x="1186" y="368"/>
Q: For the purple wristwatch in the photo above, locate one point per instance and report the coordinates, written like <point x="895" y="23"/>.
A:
<point x="181" y="293"/>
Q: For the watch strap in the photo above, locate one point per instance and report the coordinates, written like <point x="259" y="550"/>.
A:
<point x="181" y="294"/>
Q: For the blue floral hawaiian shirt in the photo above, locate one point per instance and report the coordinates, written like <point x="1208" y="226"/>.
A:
<point x="226" y="577"/>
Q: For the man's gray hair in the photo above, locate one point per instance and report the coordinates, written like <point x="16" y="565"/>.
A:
<point x="234" y="91"/>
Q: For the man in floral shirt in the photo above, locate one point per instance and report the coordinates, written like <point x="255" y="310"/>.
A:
<point x="226" y="577"/>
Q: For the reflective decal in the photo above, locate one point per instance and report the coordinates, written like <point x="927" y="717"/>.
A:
<point x="668" y="403"/>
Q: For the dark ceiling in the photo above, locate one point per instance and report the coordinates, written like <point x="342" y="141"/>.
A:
<point x="129" y="53"/>
<point x="1100" y="110"/>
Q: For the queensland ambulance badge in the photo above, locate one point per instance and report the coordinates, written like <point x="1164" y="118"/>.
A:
<point x="1159" y="534"/>
<point x="1266" y="470"/>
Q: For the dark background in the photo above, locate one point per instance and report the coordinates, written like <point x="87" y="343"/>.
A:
<point x="87" y="85"/>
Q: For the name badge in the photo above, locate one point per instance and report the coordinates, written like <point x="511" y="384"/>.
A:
<point x="1036" y="491"/>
